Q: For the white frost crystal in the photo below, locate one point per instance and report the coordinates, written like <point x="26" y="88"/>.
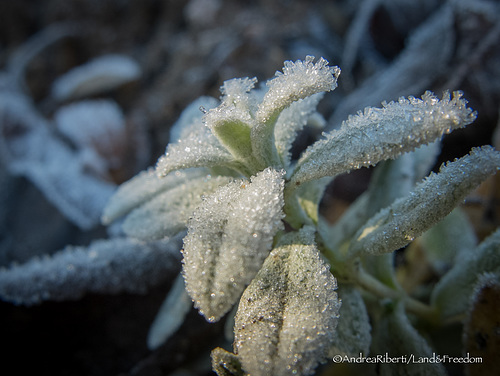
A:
<point x="229" y="236"/>
<point x="287" y="316"/>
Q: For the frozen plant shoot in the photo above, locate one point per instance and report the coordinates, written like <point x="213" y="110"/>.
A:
<point x="305" y="288"/>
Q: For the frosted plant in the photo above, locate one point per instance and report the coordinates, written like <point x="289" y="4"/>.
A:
<point x="255" y="238"/>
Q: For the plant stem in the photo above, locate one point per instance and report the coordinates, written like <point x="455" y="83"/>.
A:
<point x="373" y="285"/>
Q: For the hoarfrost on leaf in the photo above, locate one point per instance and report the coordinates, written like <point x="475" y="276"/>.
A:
<point x="106" y="266"/>
<point x="287" y="316"/>
<point x="299" y="80"/>
<point x="229" y="236"/>
<point x="141" y="188"/>
<point x="382" y="133"/>
<point x="433" y="199"/>
<point x="167" y="213"/>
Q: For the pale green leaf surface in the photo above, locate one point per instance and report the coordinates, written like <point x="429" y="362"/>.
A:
<point x="287" y="316"/>
<point x="168" y="212"/>
<point x="453" y="292"/>
<point x="229" y="237"/>
<point x="232" y="120"/>
<point x="382" y="133"/>
<point x="433" y="199"/>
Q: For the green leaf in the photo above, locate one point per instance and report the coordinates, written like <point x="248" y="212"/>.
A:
<point x="232" y="122"/>
<point x="433" y="199"/>
<point x="229" y="236"/>
<point x="287" y="316"/>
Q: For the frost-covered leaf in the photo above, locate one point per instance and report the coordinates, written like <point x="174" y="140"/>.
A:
<point x="230" y="235"/>
<point x="168" y="213"/>
<point x="382" y="133"/>
<point x="453" y="292"/>
<point x="299" y="80"/>
<point x="394" y="335"/>
<point x="232" y="121"/>
<point x="192" y="143"/>
<point x="199" y="149"/>
<point x="171" y="314"/>
<point x="353" y="330"/>
<point x="143" y="187"/>
<point x="291" y="121"/>
<point x="106" y="267"/>
<point x="287" y="316"/>
<point x="104" y="73"/>
<point x="433" y="199"/>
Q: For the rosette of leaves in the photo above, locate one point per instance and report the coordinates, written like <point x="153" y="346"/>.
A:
<point x="254" y="235"/>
